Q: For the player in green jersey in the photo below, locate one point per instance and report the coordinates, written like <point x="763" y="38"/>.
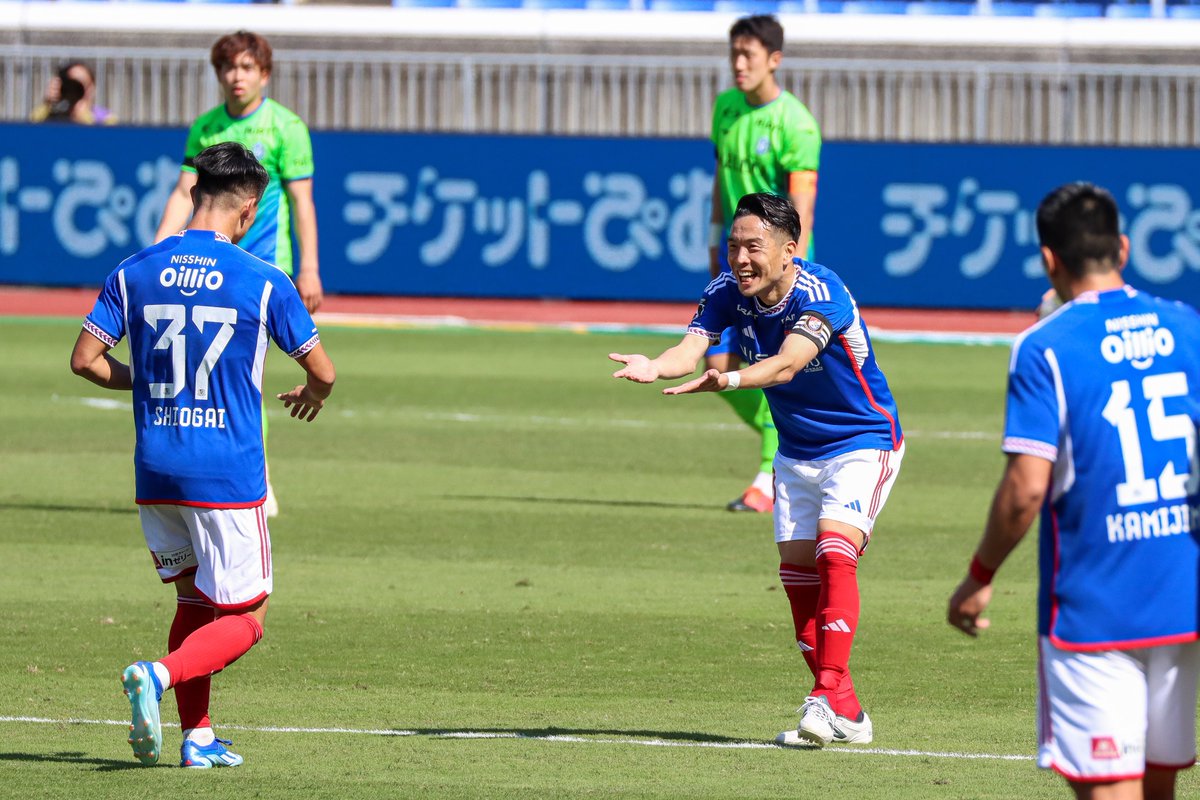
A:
<point x="765" y="141"/>
<point x="279" y="140"/>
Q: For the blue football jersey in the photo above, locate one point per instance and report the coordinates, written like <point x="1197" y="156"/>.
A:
<point x="200" y="313"/>
<point x="1108" y="389"/>
<point x="841" y="401"/>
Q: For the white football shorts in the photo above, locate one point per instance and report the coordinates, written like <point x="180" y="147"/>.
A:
<point x="850" y="488"/>
<point x="1107" y="715"/>
<point x="228" y="549"/>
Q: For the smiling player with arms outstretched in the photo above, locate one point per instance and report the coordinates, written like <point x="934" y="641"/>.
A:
<point x="840" y="443"/>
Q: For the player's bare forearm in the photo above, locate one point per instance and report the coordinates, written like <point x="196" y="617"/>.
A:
<point x="716" y="227"/>
<point x="1018" y="499"/>
<point x="797" y="351"/>
<point x="804" y="198"/>
<point x="308" y="278"/>
<point x="178" y="209"/>
<point x="674" y="362"/>
<point x="90" y="359"/>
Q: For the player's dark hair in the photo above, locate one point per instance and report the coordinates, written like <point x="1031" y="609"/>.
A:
<point x="776" y="213"/>
<point x="1079" y="222"/>
<point x="763" y="27"/>
<point x="232" y="45"/>
<point x="228" y="171"/>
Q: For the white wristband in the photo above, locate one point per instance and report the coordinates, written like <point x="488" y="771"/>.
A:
<point x="716" y="234"/>
<point x="735" y="380"/>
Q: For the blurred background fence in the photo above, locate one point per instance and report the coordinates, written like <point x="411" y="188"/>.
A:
<point x="636" y="95"/>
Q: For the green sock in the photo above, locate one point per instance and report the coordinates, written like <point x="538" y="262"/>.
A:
<point x="770" y="436"/>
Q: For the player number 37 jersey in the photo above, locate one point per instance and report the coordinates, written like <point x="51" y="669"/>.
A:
<point x="199" y="314"/>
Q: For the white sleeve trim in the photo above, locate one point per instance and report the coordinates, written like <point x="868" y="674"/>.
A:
<point x="99" y="333"/>
<point x="304" y="348"/>
<point x="1030" y="447"/>
<point x="696" y="331"/>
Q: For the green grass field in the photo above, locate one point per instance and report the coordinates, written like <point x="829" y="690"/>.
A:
<point x="484" y="533"/>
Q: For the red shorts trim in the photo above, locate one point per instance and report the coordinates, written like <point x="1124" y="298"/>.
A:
<point x="1137" y="776"/>
<point x="186" y="572"/>
<point x="236" y="606"/>
<point x="196" y="504"/>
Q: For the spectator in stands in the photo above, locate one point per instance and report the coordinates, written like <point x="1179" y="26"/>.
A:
<point x="71" y="97"/>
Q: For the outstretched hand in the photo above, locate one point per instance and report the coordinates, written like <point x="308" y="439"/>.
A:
<point x="969" y="600"/>
<point x="302" y="403"/>
<point x="710" y="381"/>
<point x="638" y="368"/>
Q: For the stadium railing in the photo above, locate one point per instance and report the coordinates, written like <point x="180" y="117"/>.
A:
<point x="865" y="100"/>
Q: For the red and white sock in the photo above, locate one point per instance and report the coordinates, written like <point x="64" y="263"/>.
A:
<point x="803" y="587"/>
<point x="837" y="620"/>
<point x="212" y="648"/>
<point x="191" y="614"/>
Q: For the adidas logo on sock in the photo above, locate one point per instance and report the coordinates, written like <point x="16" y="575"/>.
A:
<point x="838" y="624"/>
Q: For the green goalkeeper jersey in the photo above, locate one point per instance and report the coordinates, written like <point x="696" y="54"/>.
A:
<point x="279" y="140"/>
<point x="759" y="146"/>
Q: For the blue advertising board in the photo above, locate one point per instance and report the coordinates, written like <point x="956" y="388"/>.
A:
<point x="588" y="218"/>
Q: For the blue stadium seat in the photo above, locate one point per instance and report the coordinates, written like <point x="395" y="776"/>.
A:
<point x="1128" y="11"/>
<point x="422" y="3"/>
<point x="608" y="5"/>
<point x="1069" y="10"/>
<point x="553" y="4"/>
<point x="1183" y="12"/>
<point x="875" y="7"/>
<point x="680" y="5"/>
<point x="1008" y="8"/>
<point x="488" y="3"/>
<point x="810" y="7"/>
<point x="746" y="7"/>
<point x="951" y="8"/>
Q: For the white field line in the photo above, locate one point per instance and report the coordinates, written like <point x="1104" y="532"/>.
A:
<point x="388" y="321"/>
<point x="533" y="420"/>
<point x="383" y="732"/>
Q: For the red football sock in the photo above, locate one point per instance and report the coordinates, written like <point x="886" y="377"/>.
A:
<point x="803" y="587"/>
<point x="213" y="647"/>
<point x="837" y="620"/>
<point x="191" y="615"/>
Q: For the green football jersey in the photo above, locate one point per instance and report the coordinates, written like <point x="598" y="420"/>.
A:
<point x="759" y="146"/>
<point x="279" y="140"/>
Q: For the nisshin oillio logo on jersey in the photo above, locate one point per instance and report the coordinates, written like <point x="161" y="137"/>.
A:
<point x="1138" y="347"/>
<point x="192" y="274"/>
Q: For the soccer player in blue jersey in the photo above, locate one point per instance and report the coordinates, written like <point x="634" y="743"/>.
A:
<point x="280" y="141"/>
<point x="200" y="313"/>
<point x="1101" y="437"/>
<point x="840" y="442"/>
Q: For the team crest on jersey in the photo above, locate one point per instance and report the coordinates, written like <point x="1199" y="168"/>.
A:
<point x="259" y="150"/>
<point x="763" y="146"/>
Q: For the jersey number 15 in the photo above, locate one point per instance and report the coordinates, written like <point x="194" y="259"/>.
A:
<point x="1137" y="489"/>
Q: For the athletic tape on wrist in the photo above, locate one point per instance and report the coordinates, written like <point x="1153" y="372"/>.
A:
<point x="735" y="380"/>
